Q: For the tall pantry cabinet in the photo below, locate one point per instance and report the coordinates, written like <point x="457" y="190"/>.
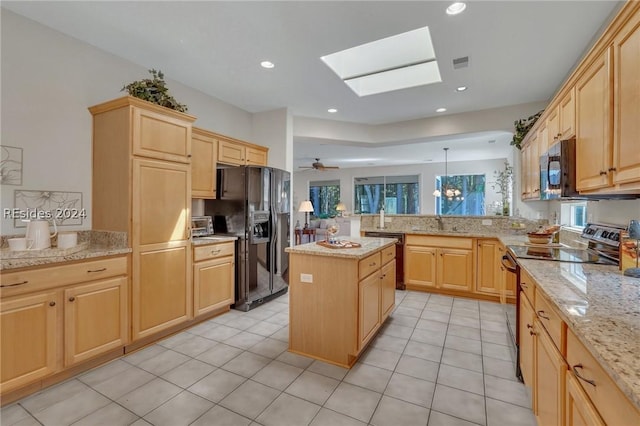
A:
<point x="142" y="185"/>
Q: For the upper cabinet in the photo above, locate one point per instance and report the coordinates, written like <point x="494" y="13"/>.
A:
<point x="204" y="146"/>
<point x="626" y="94"/>
<point x="599" y="105"/>
<point x="239" y="153"/>
<point x="593" y="120"/>
<point x="567" y="108"/>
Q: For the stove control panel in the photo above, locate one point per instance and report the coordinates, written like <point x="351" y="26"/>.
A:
<point x="603" y="233"/>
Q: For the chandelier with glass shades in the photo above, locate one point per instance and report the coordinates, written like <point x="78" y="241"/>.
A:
<point x="449" y="191"/>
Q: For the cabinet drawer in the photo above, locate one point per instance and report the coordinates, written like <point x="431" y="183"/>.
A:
<point x="368" y="265"/>
<point x="56" y="276"/>
<point x="608" y="399"/>
<point x="527" y="285"/>
<point x="211" y="251"/>
<point x="551" y="321"/>
<point x="388" y="254"/>
<point x="442" y="242"/>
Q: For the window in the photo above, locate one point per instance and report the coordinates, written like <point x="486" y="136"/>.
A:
<point x="398" y="194"/>
<point x="470" y="202"/>
<point x="325" y="196"/>
<point x="574" y="214"/>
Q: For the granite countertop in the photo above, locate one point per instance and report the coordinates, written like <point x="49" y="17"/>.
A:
<point x="214" y="239"/>
<point x="53" y="256"/>
<point x="602" y="308"/>
<point x="489" y="233"/>
<point x="369" y="245"/>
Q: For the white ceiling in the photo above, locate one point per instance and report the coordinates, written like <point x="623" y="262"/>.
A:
<point x="519" y="51"/>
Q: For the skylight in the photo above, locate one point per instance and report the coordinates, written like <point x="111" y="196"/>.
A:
<point x="392" y="63"/>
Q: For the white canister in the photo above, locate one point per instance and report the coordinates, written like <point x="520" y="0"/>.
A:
<point x="67" y="240"/>
<point x="19" y="244"/>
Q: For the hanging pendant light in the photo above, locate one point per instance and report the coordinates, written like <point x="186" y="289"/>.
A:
<point x="449" y="191"/>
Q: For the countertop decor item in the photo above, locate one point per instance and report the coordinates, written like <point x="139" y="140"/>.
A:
<point x="154" y="90"/>
<point x="522" y="127"/>
<point x="634" y="250"/>
<point x="503" y="186"/>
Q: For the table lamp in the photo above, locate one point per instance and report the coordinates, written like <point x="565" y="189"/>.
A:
<point x="340" y="208"/>
<point x="634" y="234"/>
<point x="306" y="207"/>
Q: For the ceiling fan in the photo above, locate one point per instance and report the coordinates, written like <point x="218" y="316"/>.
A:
<point x="317" y="165"/>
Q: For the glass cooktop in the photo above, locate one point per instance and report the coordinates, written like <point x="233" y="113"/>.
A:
<point x="559" y="254"/>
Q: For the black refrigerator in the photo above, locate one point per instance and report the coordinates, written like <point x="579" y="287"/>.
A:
<point x="253" y="204"/>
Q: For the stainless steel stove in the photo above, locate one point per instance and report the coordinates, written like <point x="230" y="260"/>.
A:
<point x="603" y="248"/>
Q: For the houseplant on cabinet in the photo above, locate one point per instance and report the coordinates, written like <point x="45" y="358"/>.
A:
<point x="154" y="90"/>
<point x="522" y="127"/>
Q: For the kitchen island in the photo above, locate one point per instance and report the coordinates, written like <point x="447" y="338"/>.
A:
<point x="339" y="298"/>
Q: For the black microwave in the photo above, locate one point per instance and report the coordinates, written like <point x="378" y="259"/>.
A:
<point x="558" y="171"/>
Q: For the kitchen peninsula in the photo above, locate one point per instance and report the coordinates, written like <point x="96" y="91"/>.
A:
<point x="339" y="298"/>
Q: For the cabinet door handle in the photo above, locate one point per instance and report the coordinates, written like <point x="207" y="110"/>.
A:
<point x="188" y="155"/>
<point x="540" y="314"/>
<point x="14" y="284"/>
<point x="96" y="270"/>
<point x="612" y="169"/>
<point x="529" y="326"/>
<point x="533" y="333"/>
<point x="214" y="252"/>
<point x="52" y="303"/>
<point x="524" y="285"/>
<point x="603" y="173"/>
<point x="372" y="264"/>
<point x="579" y="376"/>
<point x="71" y="299"/>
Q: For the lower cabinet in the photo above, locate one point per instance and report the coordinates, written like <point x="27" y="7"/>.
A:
<point x="30" y="341"/>
<point x="213" y="277"/>
<point x="369" y="308"/>
<point x="89" y="298"/>
<point x="388" y="290"/>
<point x="95" y="319"/>
<point x="444" y="263"/>
<point x="550" y="370"/>
<point x="527" y="343"/>
<point x="580" y="411"/>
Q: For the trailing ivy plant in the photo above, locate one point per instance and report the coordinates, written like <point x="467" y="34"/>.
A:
<point x="154" y="90"/>
<point x="522" y="127"/>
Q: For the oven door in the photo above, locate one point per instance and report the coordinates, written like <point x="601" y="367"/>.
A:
<point x="511" y="311"/>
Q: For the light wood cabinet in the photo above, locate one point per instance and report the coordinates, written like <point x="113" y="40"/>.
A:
<point x="593" y="125"/>
<point x="612" y="405"/>
<point x="334" y="319"/>
<point x="527" y="342"/>
<point x="388" y="290"/>
<point x="30" y="341"/>
<point x="213" y="277"/>
<point x="626" y="126"/>
<point x="368" y="308"/>
<point x="239" y="154"/>
<point x="150" y="199"/>
<point x="550" y="370"/>
<point x="553" y="130"/>
<point x="544" y="135"/>
<point x="530" y="165"/>
<point x="579" y="410"/>
<point x="420" y="266"/>
<point x="54" y="318"/>
<point x="490" y="275"/>
<point x="567" y="108"/>
<point x="95" y="318"/>
<point x="204" y="147"/>
<point x="455" y="269"/>
<point x="442" y="263"/>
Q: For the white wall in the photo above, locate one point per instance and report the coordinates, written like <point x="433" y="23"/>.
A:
<point x="48" y="82"/>
<point x="427" y="173"/>
<point x="615" y="212"/>
<point x="273" y="129"/>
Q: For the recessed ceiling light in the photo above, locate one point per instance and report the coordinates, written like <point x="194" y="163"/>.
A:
<point x="492" y="141"/>
<point x="456" y="8"/>
<point x="441" y="110"/>
<point x="267" y="64"/>
<point x="461" y="88"/>
<point x="332" y="110"/>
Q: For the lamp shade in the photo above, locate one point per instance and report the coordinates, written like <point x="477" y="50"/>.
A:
<point x="306" y="207"/>
<point x="341" y="207"/>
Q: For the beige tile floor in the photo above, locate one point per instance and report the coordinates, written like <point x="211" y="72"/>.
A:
<point x="437" y="361"/>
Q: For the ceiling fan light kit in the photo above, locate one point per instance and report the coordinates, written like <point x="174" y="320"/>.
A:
<point x="317" y="165"/>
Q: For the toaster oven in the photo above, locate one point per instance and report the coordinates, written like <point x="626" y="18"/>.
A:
<point x="201" y="226"/>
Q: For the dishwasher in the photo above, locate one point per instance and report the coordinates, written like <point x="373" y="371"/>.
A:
<point x="399" y="253"/>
